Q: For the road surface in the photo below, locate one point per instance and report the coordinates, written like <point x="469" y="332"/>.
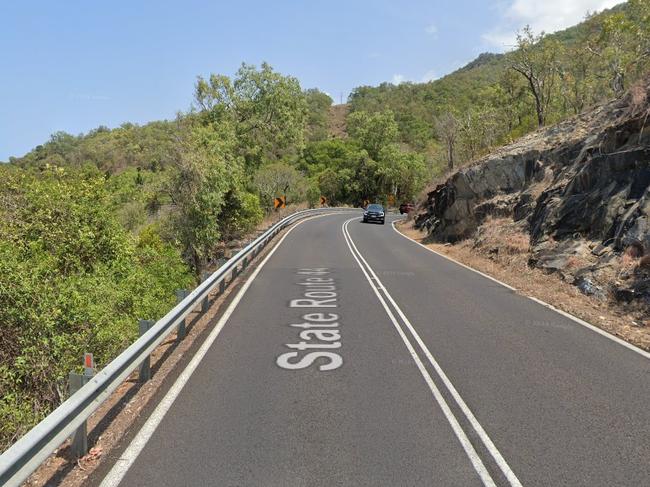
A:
<point x="354" y="356"/>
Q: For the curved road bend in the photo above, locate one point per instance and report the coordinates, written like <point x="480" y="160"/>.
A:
<point x="357" y="357"/>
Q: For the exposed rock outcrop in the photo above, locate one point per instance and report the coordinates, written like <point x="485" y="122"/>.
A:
<point x="581" y="189"/>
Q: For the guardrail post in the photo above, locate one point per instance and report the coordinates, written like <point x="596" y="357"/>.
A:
<point x="181" y="294"/>
<point x="145" y="367"/>
<point x="205" y="304"/>
<point x="51" y="431"/>
<point x="79" y="439"/>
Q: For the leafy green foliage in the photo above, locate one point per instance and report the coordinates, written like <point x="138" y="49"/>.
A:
<point x="338" y="169"/>
<point x="368" y="166"/>
<point x="266" y="109"/>
<point x="97" y="230"/>
<point x="318" y="104"/>
<point x="209" y="202"/>
<point x="240" y="214"/>
<point x="280" y="179"/>
<point x="373" y="130"/>
<point x="497" y="98"/>
<point x="71" y="280"/>
<point x="150" y="147"/>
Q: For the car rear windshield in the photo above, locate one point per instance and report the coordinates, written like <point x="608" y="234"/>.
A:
<point x="375" y="208"/>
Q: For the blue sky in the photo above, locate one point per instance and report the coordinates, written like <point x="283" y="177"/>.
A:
<point x="73" y="65"/>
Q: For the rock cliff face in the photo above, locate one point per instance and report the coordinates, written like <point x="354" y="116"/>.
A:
<point x="581" y="189"/>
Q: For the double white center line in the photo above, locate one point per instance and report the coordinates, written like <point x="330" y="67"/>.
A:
<point x="392" y="309"/>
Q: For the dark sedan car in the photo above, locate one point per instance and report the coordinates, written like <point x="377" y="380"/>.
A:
<point x="374" y="213"/>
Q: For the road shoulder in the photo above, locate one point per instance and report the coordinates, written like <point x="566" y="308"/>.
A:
<point x="547" y="290"/>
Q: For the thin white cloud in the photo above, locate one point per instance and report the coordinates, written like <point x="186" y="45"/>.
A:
<point x="547" y="16"/>
<point x="501" y="38"/>
<point x="429" y="76"/>
<point x="432" y="30"/>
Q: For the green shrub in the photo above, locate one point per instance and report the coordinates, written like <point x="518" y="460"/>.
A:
<point x="72" y="280"/>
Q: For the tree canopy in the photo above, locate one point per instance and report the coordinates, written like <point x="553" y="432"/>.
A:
<point x="98" y="229"/>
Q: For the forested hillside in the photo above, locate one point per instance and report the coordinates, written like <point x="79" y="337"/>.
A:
<point x="98" y="229"/>
<point x="498" y="98"/>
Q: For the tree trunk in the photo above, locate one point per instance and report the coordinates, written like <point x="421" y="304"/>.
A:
<point x="618" y="83"/>
<point x="540" y="111"/>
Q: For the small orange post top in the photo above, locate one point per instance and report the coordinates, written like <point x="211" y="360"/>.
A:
<point x="89" y="361"/>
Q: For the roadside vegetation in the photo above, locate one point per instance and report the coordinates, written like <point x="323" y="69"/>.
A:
<point x="98" y="229"/>
<point x="497" y="98"/>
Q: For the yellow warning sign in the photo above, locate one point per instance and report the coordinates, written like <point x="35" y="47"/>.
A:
<point x="280" y="202"/>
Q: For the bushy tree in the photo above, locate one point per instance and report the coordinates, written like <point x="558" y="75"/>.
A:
<point x="280" y="179"/>
<point x="207" y="181"/>
<point x="447" y="130"/>
<point x="624" y="44"/>
<point x="240" y="214"/>
<point x="72" y="280"/>
<point x="318" y="105"/>
<point x="400" y="173"/>
<point x="346" y="174"/>
<point x="267" y="110"/>
<point x="341" y="169"/>
<point x="537" y="59"/>
<point x="373" y="131"/>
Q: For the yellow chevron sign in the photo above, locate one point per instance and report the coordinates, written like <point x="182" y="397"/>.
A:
<point x="280" y="202"/>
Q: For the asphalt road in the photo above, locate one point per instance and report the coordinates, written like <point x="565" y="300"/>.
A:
<point x="401" y="368"/>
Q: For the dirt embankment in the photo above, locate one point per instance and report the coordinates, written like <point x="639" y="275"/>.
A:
<point x="509" y="264"/>
<point x="336" y="123"/>
<point x="570" y="201"/>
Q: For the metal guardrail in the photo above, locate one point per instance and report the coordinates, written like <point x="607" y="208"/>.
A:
<point x="27" y="454"/>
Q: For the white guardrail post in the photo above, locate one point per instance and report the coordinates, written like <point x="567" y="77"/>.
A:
<point x="26" y="454"/>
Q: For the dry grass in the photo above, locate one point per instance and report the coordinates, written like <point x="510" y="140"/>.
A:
<point x="277" y="215"/>
<point x="623" y="267"/>
<point x="500" y="236"/>
<point x="503" y="253"/>
<point x="336" y="123"/>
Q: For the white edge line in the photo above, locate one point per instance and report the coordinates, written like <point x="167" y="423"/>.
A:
<point x="580" y="321"/>
<point x="453" y="260"/>
<point x="475" y="459"/>
<point x="485" y="438"/>
<point x="128" y="457"/>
